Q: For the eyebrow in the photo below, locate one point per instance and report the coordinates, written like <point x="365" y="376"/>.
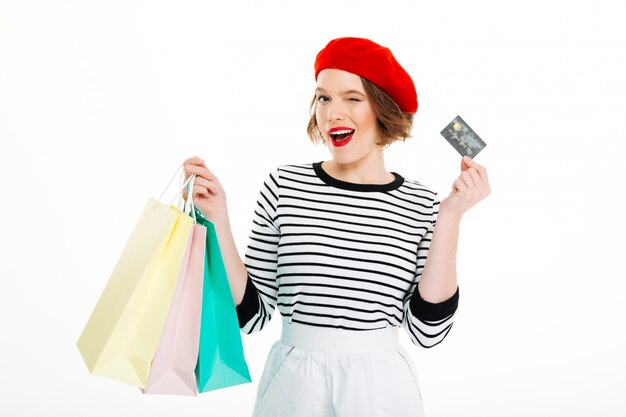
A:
<point x="345" y="92"/>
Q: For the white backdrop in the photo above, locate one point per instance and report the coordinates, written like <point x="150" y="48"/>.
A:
<point x="100" y="101"/>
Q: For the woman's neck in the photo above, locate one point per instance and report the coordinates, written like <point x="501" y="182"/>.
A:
<point x="370" y="171"/>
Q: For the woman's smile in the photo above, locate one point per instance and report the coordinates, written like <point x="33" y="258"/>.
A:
<point x="340" y="136"/>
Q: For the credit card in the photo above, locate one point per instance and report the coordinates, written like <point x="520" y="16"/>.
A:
<point x="463" y="138"/>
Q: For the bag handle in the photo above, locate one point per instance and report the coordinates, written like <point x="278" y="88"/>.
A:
<point x="188" y="204"/>
<point x="185" y="204"/>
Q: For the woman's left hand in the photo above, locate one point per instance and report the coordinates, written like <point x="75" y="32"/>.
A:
<point x="468" y="189"/>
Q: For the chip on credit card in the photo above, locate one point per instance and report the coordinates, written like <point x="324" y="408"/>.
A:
<point x="463" y="138"/>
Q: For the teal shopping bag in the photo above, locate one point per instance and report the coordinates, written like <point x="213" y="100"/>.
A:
<point x="221" y="361"/>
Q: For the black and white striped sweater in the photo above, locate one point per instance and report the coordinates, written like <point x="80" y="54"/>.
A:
<point x="342" y="255"/>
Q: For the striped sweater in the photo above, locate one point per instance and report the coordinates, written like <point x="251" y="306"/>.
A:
<point x="337" y="254"/>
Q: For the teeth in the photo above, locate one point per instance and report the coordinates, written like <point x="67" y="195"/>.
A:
<point x="342" y="132"/>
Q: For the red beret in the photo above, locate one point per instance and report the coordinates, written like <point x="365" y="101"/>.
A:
<point x="371" y="61"/>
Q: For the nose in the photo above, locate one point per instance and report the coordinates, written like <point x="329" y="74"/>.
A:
<point x="335" y="111"/>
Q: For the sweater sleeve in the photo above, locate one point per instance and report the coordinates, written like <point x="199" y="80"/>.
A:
<point x="259" y="300"/>
<point x="428" y="323"/>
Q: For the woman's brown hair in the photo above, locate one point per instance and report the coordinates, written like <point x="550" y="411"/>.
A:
<point x="392" y="123"/>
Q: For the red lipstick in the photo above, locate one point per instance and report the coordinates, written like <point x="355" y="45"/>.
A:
<point x="340" y="139"/>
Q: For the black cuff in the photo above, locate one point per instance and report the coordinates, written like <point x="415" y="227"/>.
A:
<point x="249" y="304"/>
<point x="427" y="311"/>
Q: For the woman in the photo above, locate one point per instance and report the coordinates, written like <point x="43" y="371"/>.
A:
<point x="340" y="247"/>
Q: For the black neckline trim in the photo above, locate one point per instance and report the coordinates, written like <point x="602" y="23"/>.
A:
<point x="323" y="175"/>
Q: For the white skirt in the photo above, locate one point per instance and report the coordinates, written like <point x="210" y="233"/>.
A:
<point x="322" y="372"/>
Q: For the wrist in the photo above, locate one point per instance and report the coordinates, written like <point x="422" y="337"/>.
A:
<point x="449" y="214"/>
<point x="221" y="222"/>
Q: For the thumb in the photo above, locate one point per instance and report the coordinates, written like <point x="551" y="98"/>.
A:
<point x="466" y="162"/>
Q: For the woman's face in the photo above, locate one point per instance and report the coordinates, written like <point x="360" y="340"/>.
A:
<point x="343" y="108"/>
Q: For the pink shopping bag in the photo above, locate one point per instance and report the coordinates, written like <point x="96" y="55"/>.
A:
<point x="172" y="370"/>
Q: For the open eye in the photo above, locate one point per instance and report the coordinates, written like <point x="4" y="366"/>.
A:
<point x="322" y="97"/>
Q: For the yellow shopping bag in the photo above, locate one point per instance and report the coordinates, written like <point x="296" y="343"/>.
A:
<point x="123" y="332"/>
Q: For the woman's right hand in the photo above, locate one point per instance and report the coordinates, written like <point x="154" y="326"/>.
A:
<point x="208" y="194"/>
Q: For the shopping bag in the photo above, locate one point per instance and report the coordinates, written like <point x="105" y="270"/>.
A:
<point x="221" y="361"/>
<point x="121" y="336"/>
<point x="174" y="363"/>
<point x="173" y="366"/>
